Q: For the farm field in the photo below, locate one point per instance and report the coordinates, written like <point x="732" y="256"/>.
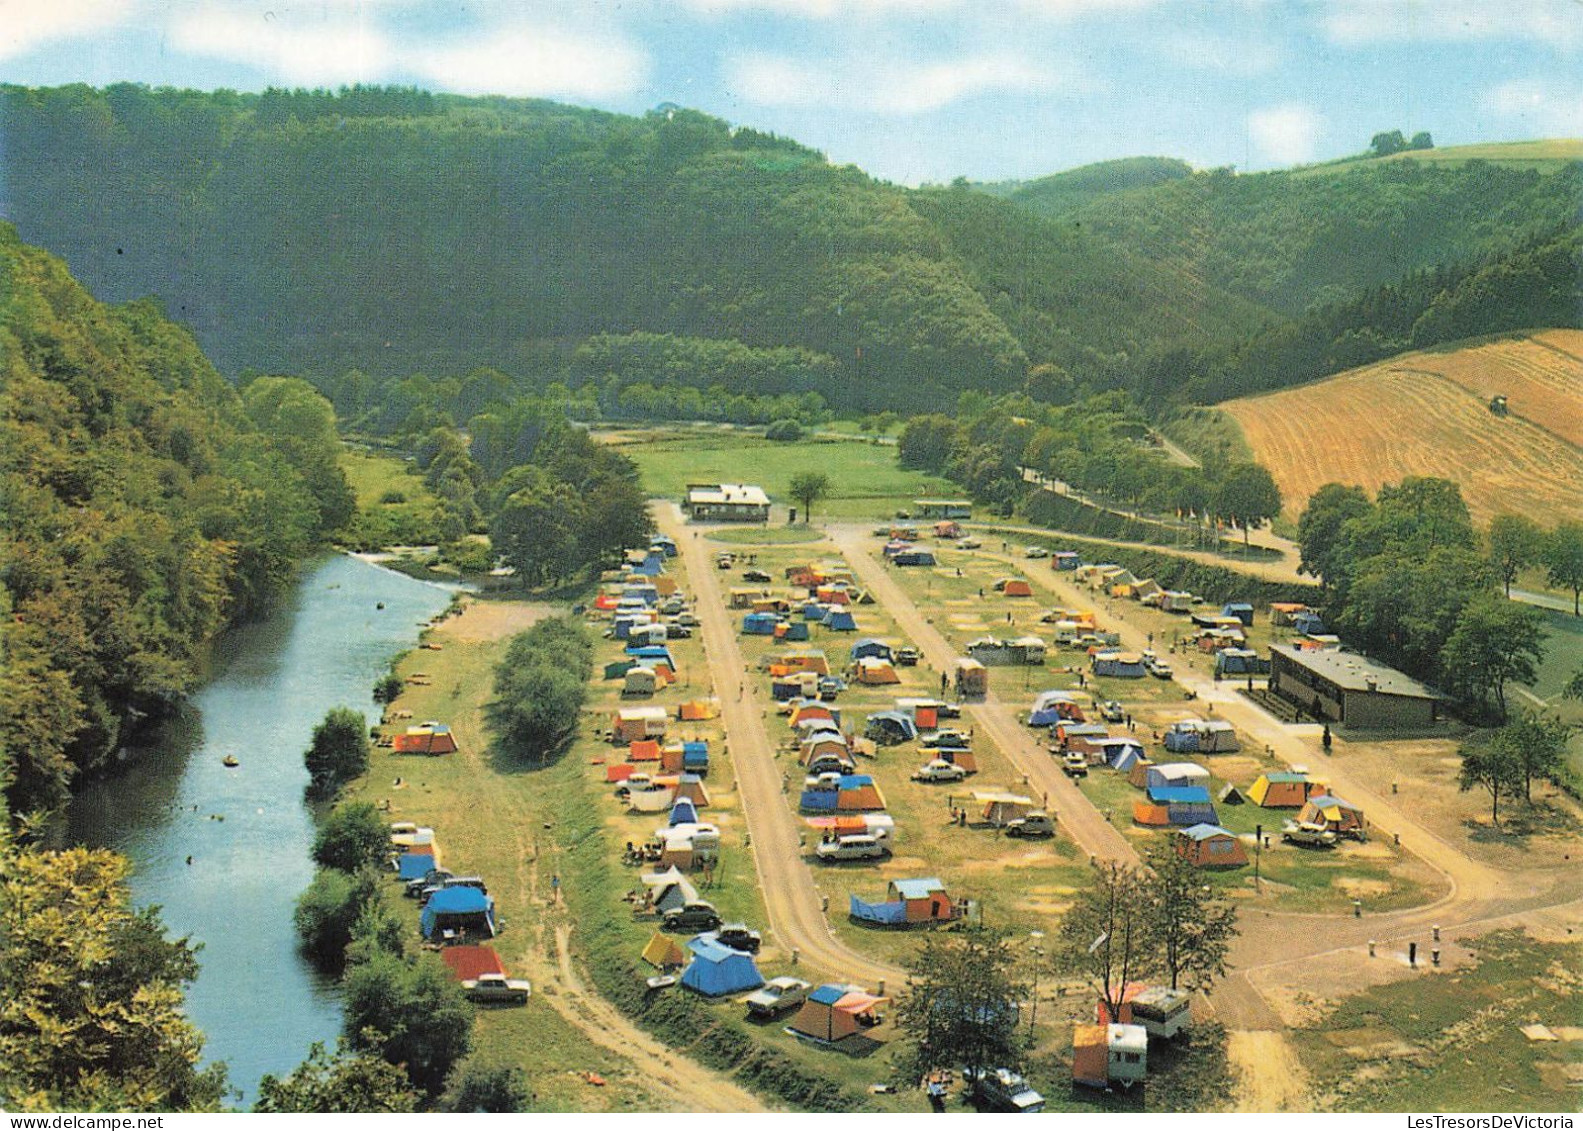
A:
<point x="1426" y="413"/>
<point x="866" y="481"/>
<point x="1545" y="155"/>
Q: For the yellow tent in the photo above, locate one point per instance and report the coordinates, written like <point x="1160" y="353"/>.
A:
<point x="664" y="951"/>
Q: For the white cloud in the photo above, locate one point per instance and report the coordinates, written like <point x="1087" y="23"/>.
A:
<point x="1539" y="109"/>
<point x="1284" y="135"/>
<point x="294" y="46"/>
<point x="531" y="62"/>
<point x="1557" y="23"/>
<point x="1235" y="55"/>
<point x="26" y="24"/>
<point x="879" y="87"/>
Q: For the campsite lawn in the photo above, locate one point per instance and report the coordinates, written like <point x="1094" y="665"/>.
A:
<point x="1452" y="1041"/>
<point x="866" y="481"/>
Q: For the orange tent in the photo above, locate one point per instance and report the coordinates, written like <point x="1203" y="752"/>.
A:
<point x="1018" y="588"/>
<point x="645" y="750"/>
<point x="833" y="1013"/>
<point x="697" y="710"/>
<point x="621" y="771"/>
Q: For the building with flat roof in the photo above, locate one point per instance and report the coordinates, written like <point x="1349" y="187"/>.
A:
<point x="727" y="502"/>
<point x="1347" y="688"/>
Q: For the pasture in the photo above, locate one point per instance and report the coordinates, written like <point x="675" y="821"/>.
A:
<point x="1426" y="413"/>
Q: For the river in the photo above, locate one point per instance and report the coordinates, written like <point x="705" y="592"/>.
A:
<point x="225" y="851"/>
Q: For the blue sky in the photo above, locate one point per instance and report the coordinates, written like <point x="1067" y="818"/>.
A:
<point x="909" y="90"/>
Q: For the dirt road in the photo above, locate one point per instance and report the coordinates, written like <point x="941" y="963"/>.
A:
<point x="793" y="903"/>
<point x="1082" y="822"/>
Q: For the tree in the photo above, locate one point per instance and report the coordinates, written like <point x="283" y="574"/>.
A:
<point x="1386" y="143"/>
<point x="537" y="529"/>
<point x="345" y="1082"/>
<point x="412" y="1014"/>
<point x="1104" y="936"/>
<point x="1495" y="766"/>
<point x="1421" y="140"/>
<point x="1247" y="496"/>
<point x="352" y="837"/>
<point x="785" y="431"/>
<point x="926" y="442"/>
<point x="326" y="912"/>
<point x="1319" y="529"/>
<point x="92" y="1017"/>
<point x="478" y="1086"/>
<point x="338" y="752"/>
<point x="960" y="1006"/>
<point x="1495" y="642"/>
<point x="1563" y="559"/>
<point x="1189" y="925"/>
<point x="388" y="688"/>
<point x="808" y="487"/>
<point x="1539" y="745"/>
<point x="1515" y="543"/>
<point x="540" y="685"/>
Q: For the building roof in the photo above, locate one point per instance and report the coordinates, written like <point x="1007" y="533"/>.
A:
<point x="917" y="889"/>
<point x="741" y="494"/>
<point x="1352" y="672"/>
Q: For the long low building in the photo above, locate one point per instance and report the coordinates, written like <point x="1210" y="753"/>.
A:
<point x="727" y="502"/>
<point x="1351" y="689"/>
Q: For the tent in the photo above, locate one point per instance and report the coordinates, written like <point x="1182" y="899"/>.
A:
<point x="759" y="624"/>
<point x="957" y="756"/>
<point x="619" y="668"/>
<point x="664" y="544"/>
<point x="1210" y="846"/>
<point x="656" y="798"/>
<point x="668" y="889"/>
<point x="872" y="670"/>
<point x="640" y="681"/>
<point x="1000" y="808"/>
<point x="881" y="826"/>
<point x="644" y="750"/>
<point x="664" y="952"/>
<point x="814" y="712"/>
<point x="698" y="710"/>
<point x="1120" y="753"/>
<point x="1283" y="790"/>
<point x="1176" y="773"/>
<point x="1341" y="817"/>
<point x="618" y="771"/>
<point x="889" y="728"/>
<point x="1025" y="650"/>
<point x="796" y="660"/>
<point x="833" y="1013"/>
<point x="850" y="793"/>
<point x="1051" y="707"/>
<point x="1201" y="736"/>
<point x="468" y="962"/>
<point x="414" y="865"/>
<point x="1240" y="661"/>
<point x="924" y="713"/>
<point x="1016" y="587"/>
<point x="1182" y="805"/>
<point x="430" y="738"/>
<point x="1138" y="775"/>
<point x="458" y="911"/>
<point x="791" y="630"/>
<point x="717" y="970"/>
<point x="1230" y="795"/>
<point x="1241" y="610"/>
<point x="691" y="788"/>
<point x="870" y="646"/>
<point x="683" y="812"/>
<point x="1080" y="736"/>
<point x="1123" y="665"/>
<point x="838" y="619"/>
<point x="630" y="724"/>
<point x="913" y="557"/>
<point x="833" y="594"/>
<point x="907" y="902"/>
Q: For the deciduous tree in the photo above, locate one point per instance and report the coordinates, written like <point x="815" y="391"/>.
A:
<point x="960" y="1006"/>
<point x="1515" y="543"/>
<point x="1190" y="925"/>
<point x="1494" y="766"/>
<point x="1563" y="559"/>
<point x="1495" y="642"/>
<point x="346" y="1081"/>
<point x="808" y="488"/>
<point x="338" y="752"/>
<point x="1104" y="937"/>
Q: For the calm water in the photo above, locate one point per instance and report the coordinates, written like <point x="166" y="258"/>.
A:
<point x="247" y="831"/>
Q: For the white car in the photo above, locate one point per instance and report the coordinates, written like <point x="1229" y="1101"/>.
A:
<point x="939" y="770"/>
<point x="858" y="847"/>
<point x="1036" y="552"/>
<point x="777" y="996"/>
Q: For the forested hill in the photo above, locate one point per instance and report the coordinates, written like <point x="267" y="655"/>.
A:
<point x="144" y="505"/>
<point x="397" y="231"/>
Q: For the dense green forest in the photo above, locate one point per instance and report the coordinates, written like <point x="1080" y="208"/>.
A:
<point x="145" y="504"/>
<point x="682" y="266"/>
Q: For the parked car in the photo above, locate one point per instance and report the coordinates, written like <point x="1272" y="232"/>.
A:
<point x="777" y="996"/>
<point x="939" y="770"/>
<point x="757" y="575"/>
<point x="687" y="618"/>
<point x="1158" y="668"/>
<point x="724" y="561"/>
<point x="430" y="878"/>
<point x="1036" y="823"/>
<point x="1005" y="1090"/>
<point x="948" y="710"/>
<point x="968" y="543"/>
<point x="1313" y="836"/>
<point x="678" y="631"/>
<point x="1036" y="552"/>
<point x="699" y="915"/>
<point x="671" y="606"/>
<point x="1111" y="711"/>
<point x="905" y="657"/>
<point x="1074" y="764"/>
<point x="451" y="882"/>
<point x="497" y="988"/>
<point x="945" y="737"/>
<point x="860" y="846"/>
<point x="738" y="937"/>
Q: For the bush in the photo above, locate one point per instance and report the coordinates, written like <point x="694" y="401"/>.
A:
<point x="493" y="1088"/>
<point x="352" y="837"/>
<point x="393" y="496"/>
<point x="339" y="751"/>
<point x="388" y="688"/>
<point x="785" y="430"/>
<point x="349" y="1082"/>
<point x="410" y="1013"/>
<point x="326" y="912"/>
<point x="540" y="686"/>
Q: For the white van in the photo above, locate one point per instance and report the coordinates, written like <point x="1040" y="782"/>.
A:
<point x="862" y="846"/>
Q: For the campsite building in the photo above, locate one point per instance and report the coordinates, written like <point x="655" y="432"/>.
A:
<point x="727" y="502"/>
<point x="833" y="1013"/>
<point x="1351" y="689"/>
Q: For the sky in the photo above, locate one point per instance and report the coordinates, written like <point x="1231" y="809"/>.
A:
<point x="912" y="91"/>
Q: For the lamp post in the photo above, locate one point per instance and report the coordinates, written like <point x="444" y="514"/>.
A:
<point x="1034" y="938"/>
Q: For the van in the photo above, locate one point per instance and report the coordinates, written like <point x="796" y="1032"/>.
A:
<point x="862" y="846"/>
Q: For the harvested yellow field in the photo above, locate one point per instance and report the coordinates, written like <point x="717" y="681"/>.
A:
<point x="1427" y="413"/>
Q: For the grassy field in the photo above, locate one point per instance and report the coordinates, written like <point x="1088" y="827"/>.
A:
<point x="1426" y="413"/>
<point x="1453" y="1041"/>
<point x="1547" y="155"/>
<point x="393" y="503"/>
<point x="867" y="482"/>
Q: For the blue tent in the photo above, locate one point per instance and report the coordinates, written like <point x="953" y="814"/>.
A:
<point x="1185" y="805"/>
<point x="838" y="619"/>
<point x="652" y="652"/>
<point x="664" y="544"/>
<point x="893" y="914"/>
<point x="813" y="610"/>
<point x="648" y="594"/>
<point x="412" y="866"/>
<point x="717" y="970"/>
<point x="1121" y="753"/>
<point x="870" y="646"/>
<point x="695" y="757"/>
<point x="683" y="812"/>
<point x="1126" y="665"/>
<point x="653" y="565"/>
<point x="818" y="800"/>
<point x="759" y="624"/>
<point x="1309" y="624"/>
<point x="1239" y="609"/>
<point x="795" y="630"/>
<point x="458" y="909"/>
